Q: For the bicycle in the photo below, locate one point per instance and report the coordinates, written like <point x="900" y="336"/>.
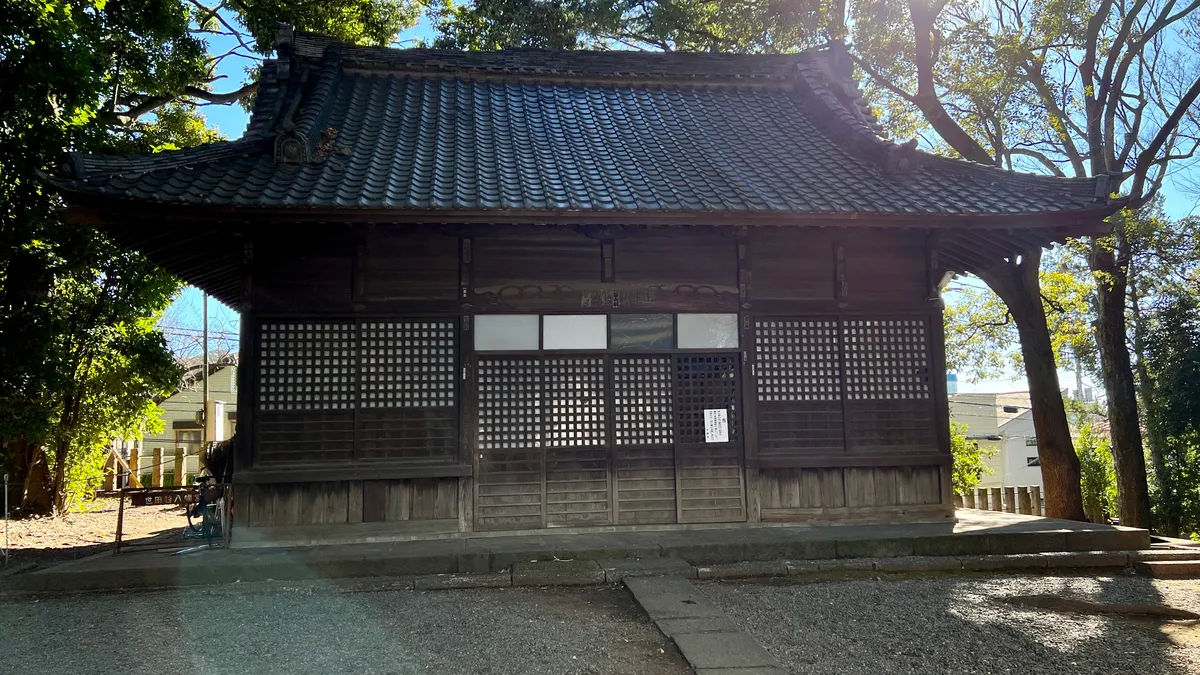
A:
<point x="204" y="516"/>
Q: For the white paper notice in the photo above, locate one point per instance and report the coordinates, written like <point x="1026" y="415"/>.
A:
<point x="716" y="425"/>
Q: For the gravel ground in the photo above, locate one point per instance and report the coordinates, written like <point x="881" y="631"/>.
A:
<point x="47" y="541"/>
<point x="316" y="628"/>
<point x="959" y="625"/>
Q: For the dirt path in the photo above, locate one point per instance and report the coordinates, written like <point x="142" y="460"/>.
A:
<point x="46" y="541"/>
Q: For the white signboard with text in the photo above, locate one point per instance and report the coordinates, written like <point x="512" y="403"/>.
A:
<point x="716" y="425"/>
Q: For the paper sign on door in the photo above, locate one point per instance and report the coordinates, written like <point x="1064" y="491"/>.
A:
<point x="716" y="425"/>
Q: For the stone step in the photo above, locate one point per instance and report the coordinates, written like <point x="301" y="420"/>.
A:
<point x="1169" y="569"/>
<point x="1164" y="554"/>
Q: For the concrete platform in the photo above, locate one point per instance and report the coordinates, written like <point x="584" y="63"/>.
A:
<point x="976" y="533"/>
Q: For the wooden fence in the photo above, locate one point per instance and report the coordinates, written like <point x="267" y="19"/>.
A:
<point x="1022" y="499"/>
<point x="156" y="467"/>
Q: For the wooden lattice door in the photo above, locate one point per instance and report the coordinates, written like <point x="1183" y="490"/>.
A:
<point x="709" y="471"/>
<point x="510" y="465"/>
<point x="576" y="438"/>
<point x="644" y="439"/>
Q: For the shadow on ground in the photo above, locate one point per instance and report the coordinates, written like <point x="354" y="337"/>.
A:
<point x="958" y="624"/>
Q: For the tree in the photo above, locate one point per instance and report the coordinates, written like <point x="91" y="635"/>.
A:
<point x="1172" y="374"/>
<point x="79" y="359"/>
<point x="667" y="25"/>
<point x="968" y="468"/>
<point x="1030" y="84"/>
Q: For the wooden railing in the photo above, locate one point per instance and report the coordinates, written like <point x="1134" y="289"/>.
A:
<point x="145" y="469"/>
<point x="1022" y="499"/>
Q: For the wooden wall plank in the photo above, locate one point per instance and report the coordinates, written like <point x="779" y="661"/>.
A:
<point x="409" y="264"/>
<point x="791" y="264"/>
<point x="699" y="258"/>
<point x="399" y="500"/>
<point x="354" y="502"/>
<point x="375" y="495"/>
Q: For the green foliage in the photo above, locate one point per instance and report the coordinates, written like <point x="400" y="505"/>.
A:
<point x="982" y="338"/>
<point x="691" y="25"/>
<point x="1173" y="364"/>
<point x="365" y="22"/>
<point x="968" y="468"/>
<point x="1099" y="477"/>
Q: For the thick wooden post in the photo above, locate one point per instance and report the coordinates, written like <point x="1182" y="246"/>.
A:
<point x="1024" y="504"/>
<point x="1035" y="496"/>
<point x="156" y="468"/>
<point x="958" y="501"/>
<point x="135" y="468"/>
<point x="982" y="498"/>
<point x="996" y="500"/>
<point x="110" y="470"/>
<point x="969" y="499"/>
<point x="180" y="474"/>
<point x="1010" y="499"/>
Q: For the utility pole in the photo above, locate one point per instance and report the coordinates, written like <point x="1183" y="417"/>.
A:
<point x="204" y="374"/>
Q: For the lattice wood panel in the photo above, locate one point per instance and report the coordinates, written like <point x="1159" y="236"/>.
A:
<point x="642" y="400"/>
<point x="511" y="469"/>
<point x="408" y="364"/>
<point x="577" y="484"/>
<point x="798" y="373"/>
<point x="886" y="359"/>
<point x="705" y="382"/>
<point x="307" y="366"/>
<point x="710" y="481"/>
<point x="408" y="392"/>
<point x="888" y="389"/>
<point x="644" y="432"/>
<point x="797" y="360"/>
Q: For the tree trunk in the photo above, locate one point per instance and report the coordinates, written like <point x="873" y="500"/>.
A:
<point x="1168" y="521"/>
<point x="59" y="488"/>
<point x="1016" y="282"/>
<point x="36" y="499"/>
<point x="1129" y="459"/>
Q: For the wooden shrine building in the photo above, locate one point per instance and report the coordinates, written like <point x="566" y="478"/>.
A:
<point x="528" y="289"/>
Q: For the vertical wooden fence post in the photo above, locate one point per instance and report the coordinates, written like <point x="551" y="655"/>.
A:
<point x="179" y="481"/>
<point x="1010" y="499"/>
<point x="1024" y="506"/>
<point x="958" y="501"/>
<point x="981" y="498"/>
<point x="969" y="499"/>
<point x="156" y="469"/>
<point x="110" y="470"/>
<point x="996" y="502"/>
<point x="1035" y="496"/>
<point x="135" y="467"/>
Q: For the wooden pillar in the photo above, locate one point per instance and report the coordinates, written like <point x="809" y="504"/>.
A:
<point x="982" y="498"/>
<point x="180" y="472"/>
<point x="969" y="499"/>
<point x="1010" y="499"/>
<point x="110" y="470"/>
<point x="1035" y="496"/>
<point x="958" y="501"/>
<point x="135" y="468"/>
<point x="996" y="502"/>
<point x="1024" y="504"/>
<point x="156" y="468"/>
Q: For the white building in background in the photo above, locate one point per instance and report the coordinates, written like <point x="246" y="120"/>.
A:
<point x="1003" y="423"/>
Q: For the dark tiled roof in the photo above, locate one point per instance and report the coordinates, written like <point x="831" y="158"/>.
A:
<point x="529" y="130"/>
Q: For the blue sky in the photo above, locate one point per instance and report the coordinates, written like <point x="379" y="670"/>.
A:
<point x="231" y="121"/>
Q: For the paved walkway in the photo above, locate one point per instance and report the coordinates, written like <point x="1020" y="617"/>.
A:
<point x="976" y="533"/>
